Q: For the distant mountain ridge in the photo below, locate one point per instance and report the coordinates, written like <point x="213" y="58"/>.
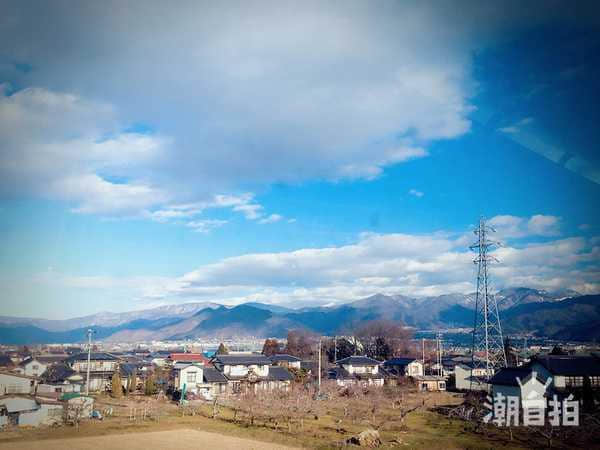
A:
<point x="520" y="307"/>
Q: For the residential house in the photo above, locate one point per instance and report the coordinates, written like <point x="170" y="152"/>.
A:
<point x="288" y="361"/>
<point x="404" y="366"/>
<point x="31" y="367"/>
<point x="244" y="371"/>
<point x="59" y="379"/>
<point x="102" y="368"/>
<point x="568" y="372"/>
<point x="214" y="383"/>
<point x="13" y="383"/>
<point x="469" y="377"/>
<point x="430" y="383"/>
<point x="506" y="381"/>
<point x="188" y="375"/>
<point x="197" y="358"/>
<point x="29" y="411"/>
<point x="357" y="370"/>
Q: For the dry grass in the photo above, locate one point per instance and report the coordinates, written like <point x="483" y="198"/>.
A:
<point x="326" y="429"/>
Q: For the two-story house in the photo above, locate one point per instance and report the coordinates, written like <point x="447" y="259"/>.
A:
<point x="102" y="367"/>
<point x="357" y="370"/>
<point x="471" y="377"/>
<point x="404" y="367"/>
<point x="251" y="371"/>
<point x="289" y="361"/>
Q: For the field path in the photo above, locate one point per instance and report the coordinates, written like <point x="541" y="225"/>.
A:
<point x="174" y="439"/>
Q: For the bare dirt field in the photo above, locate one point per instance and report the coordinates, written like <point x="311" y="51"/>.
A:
<point x="173" y="439"/>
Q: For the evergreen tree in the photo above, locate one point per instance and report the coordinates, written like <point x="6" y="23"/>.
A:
<point x="222" y="350"/>
<point x="117" y="387"/>
<point x="150" y="386"/>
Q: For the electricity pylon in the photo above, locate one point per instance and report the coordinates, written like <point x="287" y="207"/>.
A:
<point x="488" y="344"/>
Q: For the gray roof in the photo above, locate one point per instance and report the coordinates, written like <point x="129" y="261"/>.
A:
<point x="284" y="357"/>
<point x="569" y="365"/>
<point x="277" y="373"/>
<point x="359" y="361"/>
<point x="399" y="361"/>
<point x="244" y="360"/>
<point x="212" y="375"/>
<point x="507" y="376"/>
<point x="57" y="373"/>
<point x="94" y="356"/>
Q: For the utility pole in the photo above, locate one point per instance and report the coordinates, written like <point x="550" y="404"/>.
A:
<point x="487" y="332"/>
<point x="87" y="382"/>
<point x="423" y="343"/>
<point x="319" y="366"/>
<point x="439" y="353"/>
<point x="335" y="349"/>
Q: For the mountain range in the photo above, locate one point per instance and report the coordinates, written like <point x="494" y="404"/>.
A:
<point x="561" y="314"/>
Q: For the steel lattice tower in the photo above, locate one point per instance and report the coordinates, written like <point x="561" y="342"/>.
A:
<point x="487" y="332"/>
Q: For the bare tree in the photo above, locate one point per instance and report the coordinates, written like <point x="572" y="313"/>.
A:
<point x="383" y="339"/>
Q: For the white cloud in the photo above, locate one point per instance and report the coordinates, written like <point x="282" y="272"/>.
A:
<point x="416" y="193"/>
<point x="416" y="265"/>
<point x="413" y="265"/>
<point x="508" y="226"/>
<point x="541" y="225"/>
<point x="204" y="226"/>
<point x="271" y="219"/>
<point x="249" y="101"/>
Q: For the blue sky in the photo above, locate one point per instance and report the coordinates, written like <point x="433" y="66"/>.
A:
<point x="295" y="154"/>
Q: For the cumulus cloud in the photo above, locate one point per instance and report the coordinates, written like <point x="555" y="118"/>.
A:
<point x="204" y="226"/>
<point x="258" y="93"/>
<point x="415" y="265"/>
<point x="508" y="226"/>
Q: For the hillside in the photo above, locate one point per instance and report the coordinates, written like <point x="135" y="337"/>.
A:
<point x="530" y="310"/>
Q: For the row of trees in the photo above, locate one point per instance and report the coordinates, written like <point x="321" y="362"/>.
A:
<point x="378" y="339"/>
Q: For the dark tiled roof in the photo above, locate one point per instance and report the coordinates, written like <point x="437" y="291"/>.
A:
<point x="5" y="361"/>
<point x="244" y="360"/>
<point x="569" y="365"/>
<point x="507" y="376"/>
<point x="280" y="374"/>
<point x="359" y="361"/>
<point x="283" y="357"/>
<point x="339" y="373"/>
<point x="57" y="373"/>
<point x="51" y="359"/>
<point x="95" y="356"/>
<point x="399" y="361"/>
<point x="212" y="375"/>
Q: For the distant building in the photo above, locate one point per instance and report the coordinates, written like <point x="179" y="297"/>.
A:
<point x="357" y="370"/>
<point x="102" y="368"/>
<point x="568" y="372"/>
<point x="59" y="379"/>
<point x="30" y="411"/>
<point x="12" y="383"/>
<point x="289" y="361"/>
<point x="405" y="367"/>
<point x="430" y="383"/>
<point x="198" y="358"/>
<point x="251" y="371"/>
<point x="31" y="367"/>
<point x="467" y="377"/>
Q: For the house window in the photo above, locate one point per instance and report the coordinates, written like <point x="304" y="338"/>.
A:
<point x="236" y="388"/>
<point x="574" y="381"/>
<point x="35" y="367"/>
<point x="191" y="377"/>
<point x="595" y="381"/>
